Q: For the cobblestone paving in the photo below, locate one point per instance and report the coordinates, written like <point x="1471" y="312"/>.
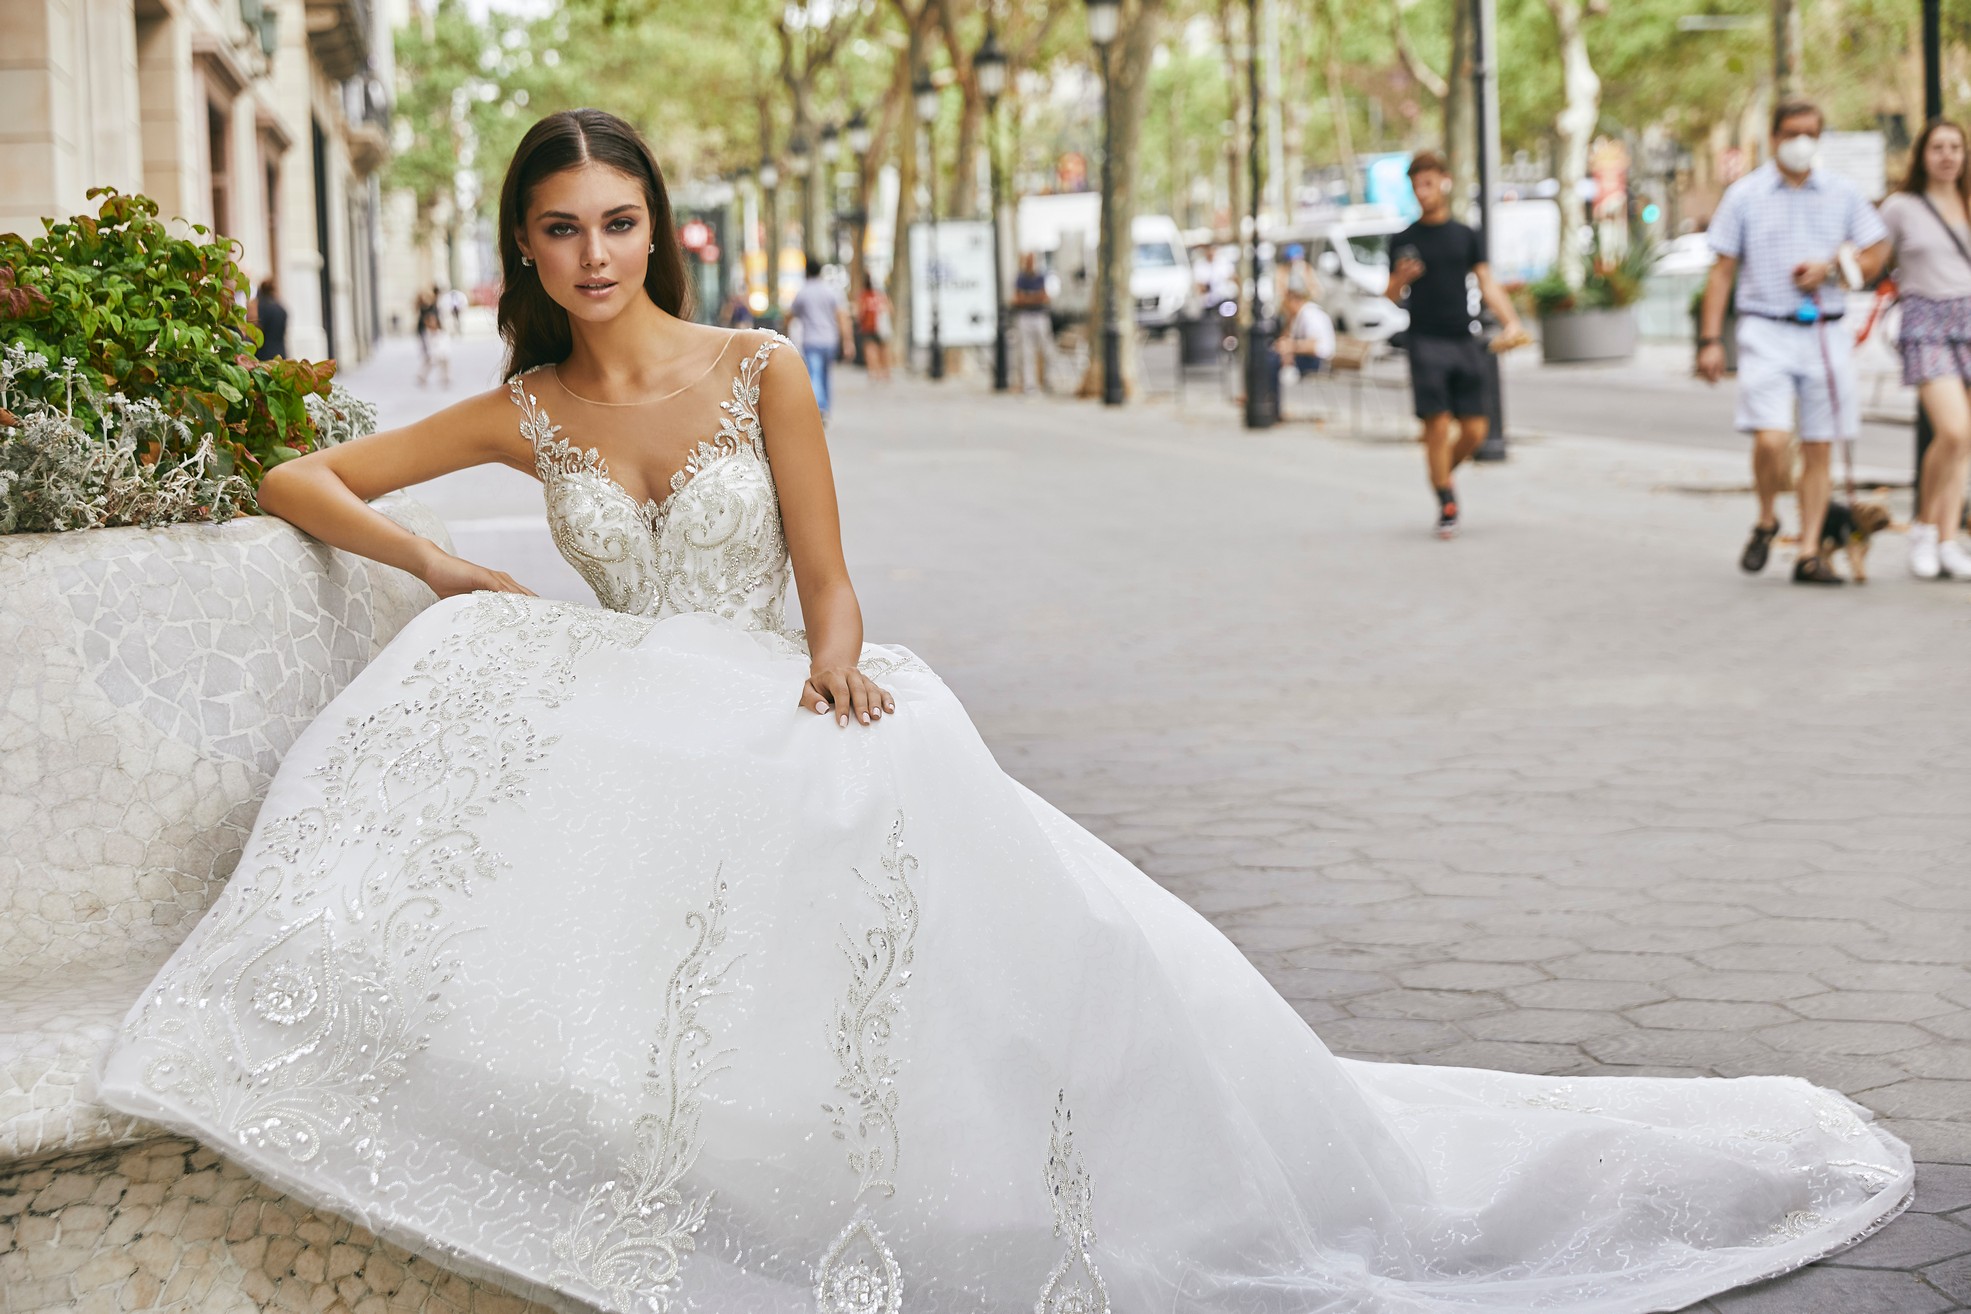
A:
<point x="1568" y="795"/>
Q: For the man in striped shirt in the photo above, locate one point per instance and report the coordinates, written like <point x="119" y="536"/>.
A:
<point x="1779" y="231"/>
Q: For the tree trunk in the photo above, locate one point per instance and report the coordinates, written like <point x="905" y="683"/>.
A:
<point x="1235" y="146"/>
<point x="1786" y="49"/>
<point x="1337" y="93"/>
<point x="1574" y="128"/>
<point x="1461" y="107"/>
<point x="1129" y="85"/>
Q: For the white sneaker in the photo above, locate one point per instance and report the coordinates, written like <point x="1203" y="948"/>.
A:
<point x="1956" y="562"/>
<point x="1924" y="553"/>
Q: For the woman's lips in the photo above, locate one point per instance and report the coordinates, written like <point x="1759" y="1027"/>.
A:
<point x="595" y="291"/>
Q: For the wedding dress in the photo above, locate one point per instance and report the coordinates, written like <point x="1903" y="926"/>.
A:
<point x="569" y="951"/>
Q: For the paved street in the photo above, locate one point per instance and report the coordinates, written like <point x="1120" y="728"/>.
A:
<point x="1568" y="795"/>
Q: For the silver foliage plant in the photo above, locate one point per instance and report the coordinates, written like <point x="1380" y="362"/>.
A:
<point x="56" y="475"/>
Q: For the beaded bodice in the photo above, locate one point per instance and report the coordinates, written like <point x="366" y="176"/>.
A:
<point x="713" y="543"/>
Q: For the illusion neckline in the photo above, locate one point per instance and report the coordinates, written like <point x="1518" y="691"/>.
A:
<point x="700" y="377"/>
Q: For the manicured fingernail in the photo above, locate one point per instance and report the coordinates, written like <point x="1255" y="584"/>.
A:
<point x="821" y="708"/>
<point x="844" y="719"/>
<point x="865" y="718"/>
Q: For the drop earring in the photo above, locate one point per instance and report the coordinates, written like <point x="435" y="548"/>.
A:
<point x="653" y="248"/>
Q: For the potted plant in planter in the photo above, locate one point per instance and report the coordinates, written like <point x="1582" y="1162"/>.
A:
<point x="1594" y="319"/>
<point x="128" y="389"/>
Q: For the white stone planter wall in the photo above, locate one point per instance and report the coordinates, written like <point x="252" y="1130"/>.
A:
<point x="151" y="683"/>
<point x="152" y="680"/>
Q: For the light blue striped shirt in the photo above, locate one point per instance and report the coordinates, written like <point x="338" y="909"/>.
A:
<point x="1772" y="227"/>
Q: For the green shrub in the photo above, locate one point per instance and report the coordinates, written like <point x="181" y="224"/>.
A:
<point x="1609" y="283"/>
<point x="130" y="310"/>
<point x="135" y="463"/>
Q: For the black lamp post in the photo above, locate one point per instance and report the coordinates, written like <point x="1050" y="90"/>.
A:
<point x="1104" y="21"/>
<point x="770" y="193"/>
<point x="989" y="67"/>
<point x="831" y="151"/>
<point x="1262" y="380"/>
<point x="925" y="92"/>
<point x="860" y="138"/>
<point x="803" y="165"/>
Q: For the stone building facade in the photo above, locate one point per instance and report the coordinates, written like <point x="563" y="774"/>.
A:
<point x="264" y="120"/>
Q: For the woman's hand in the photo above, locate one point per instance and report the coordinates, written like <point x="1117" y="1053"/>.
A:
<point x="849" y="692"/>
<point x="449" y="576"/>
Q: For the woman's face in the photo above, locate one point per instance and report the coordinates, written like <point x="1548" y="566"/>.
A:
<point x="1943" y="156"/>
<point x="588" y="232"/>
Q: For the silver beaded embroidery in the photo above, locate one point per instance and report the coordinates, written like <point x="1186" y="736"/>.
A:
<point x="859" y="1274"/>
<point x="714" y="543"/>
<point x="1075" y="1286"/>
<point x="299" y="1001"/>
<point x="633" y="1235"/>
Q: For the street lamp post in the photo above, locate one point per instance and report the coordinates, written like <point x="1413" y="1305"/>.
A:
<point x="1104" y="21"/>
<point x="860" y="138"/>
<point x="803" y="162"/>
<point x="926" y="93"/>
<point x="1262" y="380"/>
<point x="1933" y="109"/>
<point x="770" y="188"/>
<point x="1485" y="100"/>
<point x="989" y="66"/>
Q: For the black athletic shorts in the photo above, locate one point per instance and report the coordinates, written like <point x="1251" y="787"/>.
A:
<point x="1447" y="376"/>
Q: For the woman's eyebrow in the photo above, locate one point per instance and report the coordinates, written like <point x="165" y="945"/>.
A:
<point x="606" y="214"/>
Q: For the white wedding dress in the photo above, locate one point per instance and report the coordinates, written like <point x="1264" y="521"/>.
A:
<point x="569" y="951"/>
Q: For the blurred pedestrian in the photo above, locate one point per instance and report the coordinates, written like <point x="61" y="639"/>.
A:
<point x="738" y="311"/>
<point x="1929" y="223"/>
<point x="1308" y="343"/>
<point x="1779" y="232"/>
<point x="821" y="324"/>
<point x="433" y="341"/>
<point x="875" y="322"/>
<point x="1033" y="322"/>
<point x="1438" y="260"/>
<point x="271" y="316"/>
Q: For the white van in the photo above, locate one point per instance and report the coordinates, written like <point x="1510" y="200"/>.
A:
<point x="1351" y="261"/>
<point x="1063" y="230"/>
<point x="1160" y="282"/>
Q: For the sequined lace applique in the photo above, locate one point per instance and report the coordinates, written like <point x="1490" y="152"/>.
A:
<point x="859" y="1274"/>
<point x="1075" y="1286"/>
<point x="299" y="1002"/>
<point x="633" y="1234"/>
<point x="714" y="543"/>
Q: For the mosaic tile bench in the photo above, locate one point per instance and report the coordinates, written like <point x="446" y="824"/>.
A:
<point x="152" y="680"/>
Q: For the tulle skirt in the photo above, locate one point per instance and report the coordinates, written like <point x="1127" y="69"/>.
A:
<point x="568" y="950"/>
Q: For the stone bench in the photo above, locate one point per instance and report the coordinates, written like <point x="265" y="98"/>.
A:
<point x="153" y="681"/>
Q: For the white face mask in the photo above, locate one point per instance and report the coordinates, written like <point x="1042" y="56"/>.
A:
<point x="1797" y="154"/>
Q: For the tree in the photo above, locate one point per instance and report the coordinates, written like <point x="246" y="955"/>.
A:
<point x="1129" y="57"/>
<point x="1575" y="127"/>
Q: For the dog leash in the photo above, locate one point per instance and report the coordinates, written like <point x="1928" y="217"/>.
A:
<point x="1834" y="398"/>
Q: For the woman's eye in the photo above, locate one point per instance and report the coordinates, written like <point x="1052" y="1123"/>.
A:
<point x="561" y="230"/>
<point x="621" y="225"/>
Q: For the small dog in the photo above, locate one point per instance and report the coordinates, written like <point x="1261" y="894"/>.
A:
<point x="1849" y="529"/>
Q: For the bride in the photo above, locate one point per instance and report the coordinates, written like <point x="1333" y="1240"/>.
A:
<point x="665" y="957"/>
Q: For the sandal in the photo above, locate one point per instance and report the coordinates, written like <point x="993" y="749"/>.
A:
<point x="1812" y="570"/>
<point x="1758" y="548"/>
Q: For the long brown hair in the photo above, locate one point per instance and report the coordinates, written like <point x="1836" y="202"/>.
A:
<point x="1917" y="180"/>
<point x="534" y="327"/>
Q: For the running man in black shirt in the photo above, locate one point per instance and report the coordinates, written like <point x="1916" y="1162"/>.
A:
<point x="1436" y="258"/>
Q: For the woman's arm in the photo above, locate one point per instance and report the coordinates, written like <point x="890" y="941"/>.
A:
<point x="808" y="514"/>
<point x="326" y="493"/>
